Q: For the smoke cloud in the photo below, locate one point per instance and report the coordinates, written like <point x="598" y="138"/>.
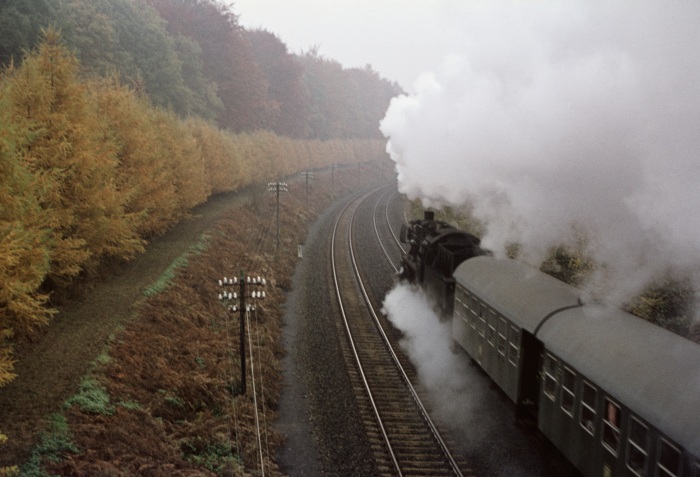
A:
<point x="551" y="116"/>
<point x="427" y="341"/>
<point x="461" y="396"/>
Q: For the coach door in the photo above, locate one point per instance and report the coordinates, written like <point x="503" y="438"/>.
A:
<point x="529" y="382"/>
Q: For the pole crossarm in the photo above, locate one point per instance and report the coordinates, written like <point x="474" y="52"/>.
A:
<point x="251" y="288"/>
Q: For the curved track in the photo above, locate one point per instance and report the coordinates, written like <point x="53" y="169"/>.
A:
<point x="404" y="439"/>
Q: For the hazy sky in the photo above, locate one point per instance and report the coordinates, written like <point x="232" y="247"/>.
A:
<point x="561" y="118"/>
<point x="399" y="38"/>
<point x="551" y="118"/>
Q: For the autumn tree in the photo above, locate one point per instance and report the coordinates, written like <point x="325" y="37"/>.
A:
<point x="130" y="38"/>
<point x="144" y="176"/>
<point x="284" y="74"/>
<point x="24" y="257"/>
<point x="345" y="103"/>
<point x="64" y="142"/>
<point x="178" y="153"/>
<point x="668" y="304"/>
<point x="227" y="60"/>
<point x="371" y="95"/>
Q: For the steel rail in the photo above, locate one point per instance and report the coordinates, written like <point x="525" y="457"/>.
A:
<point x="431" y="425"/>
<point x="368" y="389"/>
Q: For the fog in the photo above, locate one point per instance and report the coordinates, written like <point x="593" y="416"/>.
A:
<point x="561" y="116"/>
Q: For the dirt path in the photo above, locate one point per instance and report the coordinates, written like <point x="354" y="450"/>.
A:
<point x="49" y="370"/>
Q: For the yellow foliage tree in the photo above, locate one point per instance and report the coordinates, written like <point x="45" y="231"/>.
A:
<point x="24" y="254"/>
<point x="178" y="154"/>
<point x="143" y="178"/>
<point x="65" y="142"/>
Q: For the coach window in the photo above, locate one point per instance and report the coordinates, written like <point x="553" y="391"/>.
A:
<point x="502" y="336"/>
<point x="637" y="445"/>
<point x="482" y="319"/>
<point x="589" y="398"/>
<point x="473" y="314"/>
<point x="550" y="377"/>
<point x="467" y="298"/>
<point x="611" y="426"/>
<point x="568" y="395"/>
<point x="514" y="348"/>
<point x="492" y="328"/>
<point x="669" y="460"/>
<point x="461" y="309"/>
<point x="461" y="298"/>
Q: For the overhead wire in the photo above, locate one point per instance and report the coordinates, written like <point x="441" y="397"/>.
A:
<point x="254" y="245"/>
<point x="255" y="396"/>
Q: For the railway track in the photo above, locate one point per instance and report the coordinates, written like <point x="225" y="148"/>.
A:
<point x="404" y="439"/>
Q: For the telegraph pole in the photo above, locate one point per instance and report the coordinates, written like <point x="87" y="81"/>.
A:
<point x="308" y="175"/>
<point x="277" y="187"/>
<point x="255" y="283"/>
<point x="333" y="178"/>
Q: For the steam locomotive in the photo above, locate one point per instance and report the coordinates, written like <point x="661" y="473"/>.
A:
<point x="616" y="395"/>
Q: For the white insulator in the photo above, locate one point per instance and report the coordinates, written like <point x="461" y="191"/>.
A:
<point x="264" y="282"/>
<point x="230" y="296"/>
<point x="248" y="280"/>
<point x="259" y="279"/>
<point x="235" y="295"/>
<point x="220" y="283"/>
<point x="221" y="297"/>
<point x="263" y="294"/>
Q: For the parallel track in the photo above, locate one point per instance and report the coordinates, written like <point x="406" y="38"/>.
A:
<point x="403" y="437"/>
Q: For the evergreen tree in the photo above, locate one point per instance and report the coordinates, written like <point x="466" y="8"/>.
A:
<point x="20" y="26"/>
<point x="227" y="60"/>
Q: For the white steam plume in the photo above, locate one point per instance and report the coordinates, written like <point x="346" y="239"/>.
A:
<point x="548" y="115"/>
<point x="427" y="342"/>
<point x="460" y="395"/>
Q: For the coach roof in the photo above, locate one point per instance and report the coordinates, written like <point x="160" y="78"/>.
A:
<point x="521" y="293"/>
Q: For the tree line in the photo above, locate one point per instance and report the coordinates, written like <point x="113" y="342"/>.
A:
<point x="91" y="169"/>
<point x="193" y="57"/>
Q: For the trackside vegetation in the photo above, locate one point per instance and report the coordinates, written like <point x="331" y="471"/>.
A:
<point x="90" y="170"/>
<point x="117" y="117"/>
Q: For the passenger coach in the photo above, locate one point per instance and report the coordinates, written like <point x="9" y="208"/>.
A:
<point x="616" y="395"/>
